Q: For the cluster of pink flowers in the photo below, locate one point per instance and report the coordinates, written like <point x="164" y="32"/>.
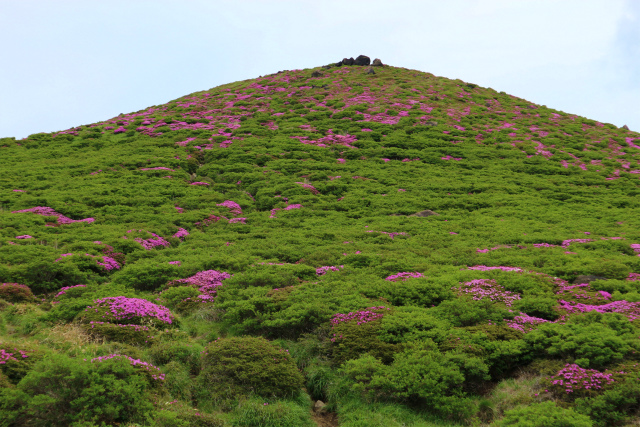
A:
<point x="457" y="159"/>
<point x="179" y="209"/>
<point x="109" y="263"/>
<point x="181" y="233"/>
<point x="175" y="262"/>
<point x="206" y="281"/>
<point x="288" y="208"/>
<point x="24" y="236"/>
<point x="6" y="356"/>
<point x="524" y="322"/>
<point x="66" y="288"/>
<point x="234" y="208"/>
<point x="403" y="276"/>
<point x="574" y="378"/>
<point x="309" y="187"/>
<point x="566" y="243"/>
<point x="122" y="308"/>
<point x="199" y="183"/>
<point x="360" y="317"/>
<point x="19" y="191"/>
<point x="322" y="270"/>
<point x="156" y="374"/>
<point x="636" y="248"/>
<point x="634" y="277"/>
<point x="45" y="211"/>
<point x="150" y="243"/>
<point x="484" y="288"/>
<point x="486" y="268"/>
<point x="631" y="310"/>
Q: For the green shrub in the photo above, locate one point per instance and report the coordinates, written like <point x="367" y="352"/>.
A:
<point x="592" y="340"/>
<point x="420" y="375"/>
<point x="232" y="367"/>
<point x="14" y="292"/>
<point x="60" y="391"/>
<point x="182" y="416"/>
<point x="128" y="334"/>
<point x="544" y="414"/>
<point x="350" y="340"/>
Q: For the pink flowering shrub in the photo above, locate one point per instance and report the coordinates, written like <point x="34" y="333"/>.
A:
<point x="234" y="208"/>
<point x="132" y="310"/>
<point x="524" y="323"/>
<point x="149" y="243"/>
<point x="15" y="292"/>
<point x="181" y="234"/>
<point x="309" y="187"/>
<point x="579" y="382"/>
<point x="16" y="360"/>
<point x="403" y="276"/>
<point x="487" y="289"/>
<point x="206" y="282"/>
<point x="323" y="270"/>
<point x="45" y="211"/>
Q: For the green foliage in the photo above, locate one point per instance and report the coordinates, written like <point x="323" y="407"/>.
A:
<point x="590" y="340"/>
<point x="247" y="365"/>
<point x="186" y="353"/>
<point x="60" y="391"/>
<point x="544" y="414"/>
<point x="327" y="177"/>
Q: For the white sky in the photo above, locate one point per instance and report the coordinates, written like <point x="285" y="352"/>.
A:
<point x="65" y="63"/>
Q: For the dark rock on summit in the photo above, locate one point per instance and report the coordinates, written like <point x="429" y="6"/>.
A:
<point x="348" y="61"/>
<point x="370" y="70"/>
<point x="316" y="74"/>
<point x="377" y="63"/>
<point x="362" y="60"/>
<point x="431" y="123"/>
<point x="587" y="278"/>
<point x="625" y="127"/>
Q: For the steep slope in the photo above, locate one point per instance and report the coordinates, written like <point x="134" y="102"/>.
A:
<point x="415" y="243"/>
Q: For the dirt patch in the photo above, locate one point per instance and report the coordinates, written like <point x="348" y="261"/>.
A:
<point x="325" y="419"/>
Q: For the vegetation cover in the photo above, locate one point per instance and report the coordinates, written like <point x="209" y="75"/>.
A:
<point x="408" y="249"/>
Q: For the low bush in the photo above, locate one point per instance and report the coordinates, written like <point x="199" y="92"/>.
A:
<point x="14" y="292"/>
<point x="232" y="367"/>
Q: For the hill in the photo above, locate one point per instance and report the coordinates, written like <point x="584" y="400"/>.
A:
<point x="406" y="248"/>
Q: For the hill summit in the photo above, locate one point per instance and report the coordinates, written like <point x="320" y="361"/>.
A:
<point x="352" y="243"/>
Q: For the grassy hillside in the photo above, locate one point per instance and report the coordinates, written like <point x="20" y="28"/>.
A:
<point x="410" y="250"/>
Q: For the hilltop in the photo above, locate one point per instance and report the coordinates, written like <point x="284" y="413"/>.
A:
<point x="405" y="248"/>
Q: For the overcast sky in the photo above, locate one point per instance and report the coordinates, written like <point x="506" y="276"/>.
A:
<point x="65" y="63"/>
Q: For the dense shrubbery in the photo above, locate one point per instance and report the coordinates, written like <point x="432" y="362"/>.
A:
<point x="60" y="391"/>
<point x="414" y="242"/>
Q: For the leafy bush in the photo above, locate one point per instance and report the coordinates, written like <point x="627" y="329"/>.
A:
<point x="128" y="334"/>
<point x="14" y="292"/>
<point x="60" y="391"/>
<point x="232" y="367"/>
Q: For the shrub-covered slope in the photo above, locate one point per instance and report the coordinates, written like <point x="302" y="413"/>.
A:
<point x="409" y="249"/>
